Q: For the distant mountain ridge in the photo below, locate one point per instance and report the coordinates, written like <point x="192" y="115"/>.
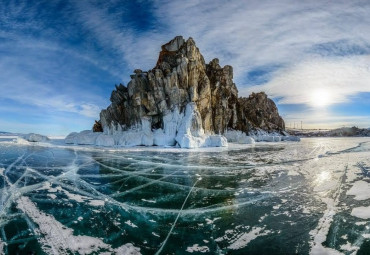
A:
<point x="338" y="132"/>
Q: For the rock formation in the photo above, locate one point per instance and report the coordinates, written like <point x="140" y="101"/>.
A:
<point x="182" y="97"/>
<point x="180" y="77"/>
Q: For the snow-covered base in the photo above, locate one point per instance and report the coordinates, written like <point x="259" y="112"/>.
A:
<point x="236" y="136"/>
<point x="189" y="141"/>
<point x="133" y="138"/>
<point x="31" y="137"/>
<point x="263" y="136"/>
<point x="180" y="128"/>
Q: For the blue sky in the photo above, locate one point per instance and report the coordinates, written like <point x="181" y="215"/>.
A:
<point x="60" y="60"/>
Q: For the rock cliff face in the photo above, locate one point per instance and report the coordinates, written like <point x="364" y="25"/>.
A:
<point x="182" y="86"/>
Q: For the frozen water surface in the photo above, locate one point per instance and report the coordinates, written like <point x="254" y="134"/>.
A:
<point x="310" y="197"/>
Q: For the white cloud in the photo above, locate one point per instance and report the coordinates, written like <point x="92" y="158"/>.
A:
<point x="248" y="35"/>
<point x="256" y="34"/>
<point x="339" y="77"/>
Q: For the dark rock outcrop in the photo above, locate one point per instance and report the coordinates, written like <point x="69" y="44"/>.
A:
<point x="258" y="111"/>
<point x="97" y="127"/>
<point x="180" y="78"/>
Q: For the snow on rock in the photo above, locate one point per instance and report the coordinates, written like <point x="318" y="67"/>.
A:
<point x="162" y="139"/>
<point x="360" y="189"/>
<point x="58" y="239"/>
<point x="236" y="136"/>
<point x="191" y="134"/>
<point x="32" y="137"/>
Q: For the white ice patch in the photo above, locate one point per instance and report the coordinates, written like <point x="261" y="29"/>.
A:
<point x="322" y="230"/>
<point x="360" y="189"/>
<point x="209" y="221"/>
<point x="348" y="247"/>
<point x="56" y="238"/>
<point x="96" y="202"/>
<point x="360" y="223"/>
<point x="155" y="234"/>
<point x="128" y="222"/>
<point x="361" y="212"/>
<point x="75" y="197"/>
<point x="197" y="248"/>
<point x="148" y="200"/>
<point x="128" y="249"/>
<point x="52" y="196"/>
<point x="244" y="239"/>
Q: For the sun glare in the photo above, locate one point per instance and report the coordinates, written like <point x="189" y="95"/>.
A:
<point x="320" y="98"/>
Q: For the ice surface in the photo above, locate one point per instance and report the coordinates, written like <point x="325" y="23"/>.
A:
<point x="56" y="238"/>
<point x="244" y="239"/>
<point x="288" y="198"/>
<point x="360" y="189"/>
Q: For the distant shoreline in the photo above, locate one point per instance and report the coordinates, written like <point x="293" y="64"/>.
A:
<point x="339" y="132"/>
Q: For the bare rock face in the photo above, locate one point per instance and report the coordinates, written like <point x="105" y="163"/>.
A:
<point x="97" y="127"/>
<point x="156" y="98"/>
<point x="258" y="111"/>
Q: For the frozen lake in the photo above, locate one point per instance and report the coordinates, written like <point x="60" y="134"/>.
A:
<point x="311" y="197"/>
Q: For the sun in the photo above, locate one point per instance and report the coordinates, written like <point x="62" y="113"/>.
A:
<point x="320" y="98"/>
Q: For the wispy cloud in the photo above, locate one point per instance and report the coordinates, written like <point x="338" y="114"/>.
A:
<point x="288" y="48"/>
<point x="340" y="77"/>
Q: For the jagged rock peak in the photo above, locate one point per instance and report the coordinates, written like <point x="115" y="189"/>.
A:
<point x="158" y="98"/>
<point x="175" y="44"/>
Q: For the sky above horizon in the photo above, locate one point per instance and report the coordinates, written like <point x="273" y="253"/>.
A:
<point x="60" y="59"/>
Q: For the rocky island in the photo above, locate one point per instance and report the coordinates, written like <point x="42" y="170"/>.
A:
<point x="183" y="101"/>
